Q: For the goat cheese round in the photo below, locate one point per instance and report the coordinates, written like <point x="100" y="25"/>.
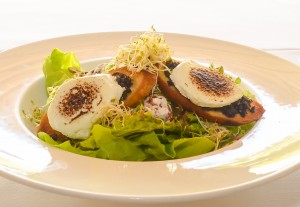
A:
<point x="77" y="104"/>
<point x="203" y="86"/>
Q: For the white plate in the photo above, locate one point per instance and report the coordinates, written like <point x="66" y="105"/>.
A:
<point x="271" y="150"/>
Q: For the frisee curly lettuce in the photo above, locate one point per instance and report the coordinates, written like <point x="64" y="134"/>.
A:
<point x="148" y="51"/>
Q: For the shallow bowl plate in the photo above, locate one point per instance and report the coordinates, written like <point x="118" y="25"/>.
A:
<point x="270" y="150"/>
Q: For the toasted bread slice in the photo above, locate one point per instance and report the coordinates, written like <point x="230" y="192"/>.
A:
<point x="142" y="84"/>
<point x="45" y="127"/>
<point x="253" y="113"/>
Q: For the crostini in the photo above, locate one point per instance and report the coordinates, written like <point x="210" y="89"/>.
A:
<point x="241" y="111"/>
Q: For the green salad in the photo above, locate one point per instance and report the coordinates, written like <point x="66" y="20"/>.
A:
<point x="133" y="133"/>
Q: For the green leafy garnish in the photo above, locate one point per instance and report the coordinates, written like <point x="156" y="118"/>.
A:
<point x="143" y="137"/>
<point x="238" y="80"/>
<point x="56" y="67"/>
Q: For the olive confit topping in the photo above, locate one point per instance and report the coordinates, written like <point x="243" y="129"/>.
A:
<point x="124" y="81"/>
<point x="241" y="107"/>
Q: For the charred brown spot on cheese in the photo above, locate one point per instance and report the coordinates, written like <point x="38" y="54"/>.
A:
<point x="79" y="98"/>
<point x="211" y="82"/>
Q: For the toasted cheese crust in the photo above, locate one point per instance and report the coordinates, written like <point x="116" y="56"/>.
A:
<point x="203" y="86"/>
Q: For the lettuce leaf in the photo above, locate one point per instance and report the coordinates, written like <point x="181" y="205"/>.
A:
<point x="188" y="147"/>
<point x="113" y="147"/>
<point x="141" y="138"/>
<point x="56" y="67"/>
<point x="140" y="122"/>
<point x="67" y="146"/>
<point x="151" y="145"/>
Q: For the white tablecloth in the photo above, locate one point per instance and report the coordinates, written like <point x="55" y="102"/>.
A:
<point x="273" y="26"/>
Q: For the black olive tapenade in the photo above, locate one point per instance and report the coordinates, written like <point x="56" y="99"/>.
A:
<point x="241" y="107"/>
<point x="125" y="82"/>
